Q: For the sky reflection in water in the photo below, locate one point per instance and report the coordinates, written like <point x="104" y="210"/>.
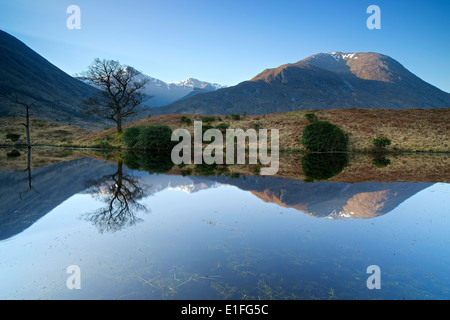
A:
<point x="199" y="239"/>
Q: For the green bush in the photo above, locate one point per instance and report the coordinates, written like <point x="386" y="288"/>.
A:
<point x="152" y="138"/>
<point x="186" y="120"/>
<point x="322" y="136"/>
<point x="155" y="138"/>
<point x="102" y="144"/>
<point x="311" y="117"/>
<point x="130" y="136"/>
<point x="206" y="127"/>
<point x="381" y="142"/>
<point x="236" y="117"/>
<point x="208" y="119"/>
<point x="223" y="126"/>
<point x="13" y="136"/>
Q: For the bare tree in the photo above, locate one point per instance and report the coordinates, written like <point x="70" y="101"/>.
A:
<point x="27" y="118"/>
<point x="120" y="92"/>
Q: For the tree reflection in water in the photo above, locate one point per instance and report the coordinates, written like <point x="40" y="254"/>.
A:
<point x="323" y="166"/>
<point x="121" y="193"/>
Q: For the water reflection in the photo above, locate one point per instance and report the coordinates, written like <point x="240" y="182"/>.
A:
<point x="28" y="171"/>
<point x="148" y="161"/>
<point x="219" y="233"/>
<point x="121" y="193"/>
<point x="381" y="161"/>
<point x="323" y="166"/>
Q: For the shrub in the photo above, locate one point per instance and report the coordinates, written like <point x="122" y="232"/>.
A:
<point x="381" y="142"/>
<point x="155" y="138"/>
<point x="208" y="119"/>
<point x="311" y="117"/>
<point x="236" y="117"/>
<point x="223" y="126"/>
<point x="151" y="138"/>
<point x="130" y="136"/>
<point x="206" y="127"/>
<point x="102" y="144"/>
<point x="322" y="136"/>
<point x="13" y="136"/>
<point x="186" y="120"/>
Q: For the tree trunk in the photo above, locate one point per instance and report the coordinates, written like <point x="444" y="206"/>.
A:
<point x="119" y="124"/>
<point x="27" y="127"/>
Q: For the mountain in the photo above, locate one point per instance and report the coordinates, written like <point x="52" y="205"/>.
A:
<point x="28" y="76"/>
<point x="165" y="93"/>
<point x="321" y="81"/>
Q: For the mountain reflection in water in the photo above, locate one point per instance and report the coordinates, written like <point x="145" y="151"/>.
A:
<point x="121" y="188"/>
<point x="145" y="229"/>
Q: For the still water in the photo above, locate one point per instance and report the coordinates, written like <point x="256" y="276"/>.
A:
<point x="132" y="234"/>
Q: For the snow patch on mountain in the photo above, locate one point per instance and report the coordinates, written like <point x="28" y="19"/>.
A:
<point x="345" y="56"/>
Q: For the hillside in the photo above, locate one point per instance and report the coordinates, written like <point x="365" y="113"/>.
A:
<point x="409" y="130"/>
<point x="28" y="76"/>
<point x="322" y="81"/>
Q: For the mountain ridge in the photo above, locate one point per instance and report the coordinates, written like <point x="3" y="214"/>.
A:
<point x="30" y="77"/>
<point x="321" y="81"/>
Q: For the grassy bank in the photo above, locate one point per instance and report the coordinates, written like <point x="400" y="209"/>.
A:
<point x="42" y="133"/>
<point x="409" y="130"/>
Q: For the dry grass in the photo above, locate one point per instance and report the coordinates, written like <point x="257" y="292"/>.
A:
<point x="409" y="130"/>
<point x="41" y="132"/>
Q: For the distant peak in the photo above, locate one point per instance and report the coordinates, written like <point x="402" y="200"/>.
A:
<point x="195" y="83"/>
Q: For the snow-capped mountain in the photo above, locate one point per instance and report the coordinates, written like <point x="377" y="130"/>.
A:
<point x="165" y="93"/>
<point x="322" y="81"/>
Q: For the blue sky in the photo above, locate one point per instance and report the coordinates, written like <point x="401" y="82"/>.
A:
<point x="230" y="41"/>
